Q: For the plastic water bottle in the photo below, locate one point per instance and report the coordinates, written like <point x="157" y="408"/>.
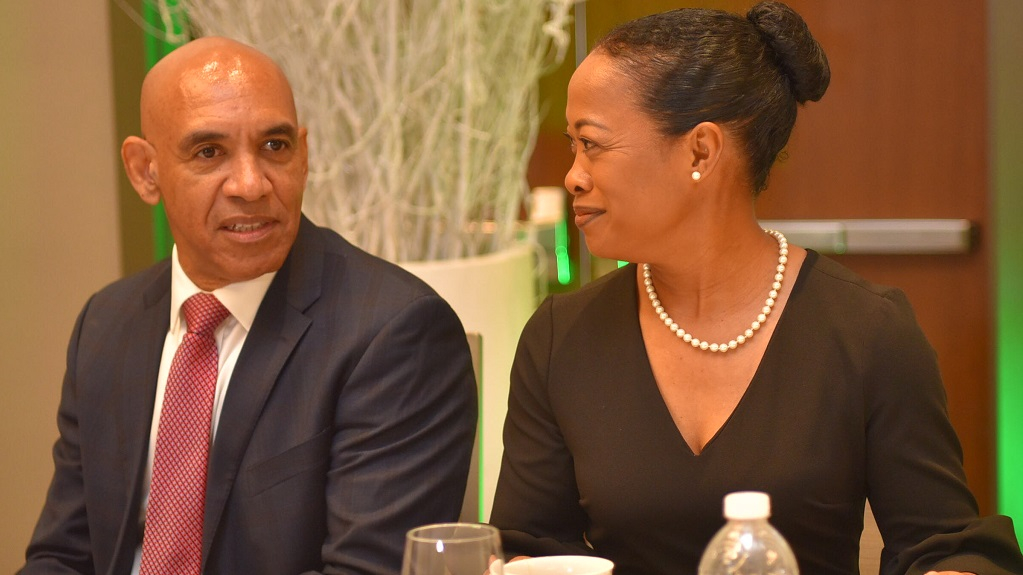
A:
<point x="748" y="544"/>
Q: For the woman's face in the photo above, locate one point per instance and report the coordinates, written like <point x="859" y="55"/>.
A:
<point x="628" y="179"/>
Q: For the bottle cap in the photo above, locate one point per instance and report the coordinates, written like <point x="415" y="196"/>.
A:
<point x="747" y="505"/>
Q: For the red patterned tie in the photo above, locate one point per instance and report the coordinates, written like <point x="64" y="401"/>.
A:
<point x="172" y="544"/>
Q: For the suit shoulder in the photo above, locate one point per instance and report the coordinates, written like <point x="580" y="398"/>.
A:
<point x="151" y="282"/>
<point x="355" y="266"/>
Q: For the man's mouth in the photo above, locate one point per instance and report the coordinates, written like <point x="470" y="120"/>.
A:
<point x="242" y="228"/>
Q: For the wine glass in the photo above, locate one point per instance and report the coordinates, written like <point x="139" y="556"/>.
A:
<point x="453" y="549"/>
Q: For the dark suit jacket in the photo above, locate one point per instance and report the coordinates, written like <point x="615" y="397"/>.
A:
<point x="349" y="419"/>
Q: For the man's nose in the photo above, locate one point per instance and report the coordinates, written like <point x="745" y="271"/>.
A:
<point x="247" y="179"/>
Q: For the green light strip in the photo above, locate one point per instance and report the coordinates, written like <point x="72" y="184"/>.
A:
<point x="157" y="47"/>
<point x="1010" y="398"/>
<point x="564" y="263"/>
<point x="1007" y="205"/>
<point x="1006" y="137"/>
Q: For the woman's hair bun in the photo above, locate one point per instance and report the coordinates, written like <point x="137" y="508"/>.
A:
<point x="799" y="55"/>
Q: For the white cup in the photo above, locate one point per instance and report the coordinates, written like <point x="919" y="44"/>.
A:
<point x="560" y="565"/>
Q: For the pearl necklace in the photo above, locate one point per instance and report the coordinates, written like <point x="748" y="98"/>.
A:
<point x="783" y="258"/>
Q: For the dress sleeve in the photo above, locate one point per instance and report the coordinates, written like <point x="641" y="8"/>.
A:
<point x="915" y="481"/>
<point x="536" y="504"/>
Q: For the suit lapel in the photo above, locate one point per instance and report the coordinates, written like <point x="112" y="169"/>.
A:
<point x="136" y="392"/>
<point x="276" y="331"/>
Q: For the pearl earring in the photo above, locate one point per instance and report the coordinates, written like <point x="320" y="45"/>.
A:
<point x="696" y="176"/>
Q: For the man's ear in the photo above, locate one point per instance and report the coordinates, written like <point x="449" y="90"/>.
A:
<point x="706" y="142"/>
<point x="304" y="149"/>
<point x="139" y="159"/>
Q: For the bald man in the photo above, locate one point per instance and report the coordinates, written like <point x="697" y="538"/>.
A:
<point x="344" y="406"/>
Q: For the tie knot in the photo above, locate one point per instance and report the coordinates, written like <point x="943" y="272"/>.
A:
<point x="203" y="313"/>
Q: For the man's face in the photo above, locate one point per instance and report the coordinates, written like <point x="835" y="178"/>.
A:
<point x="230" y="166"/>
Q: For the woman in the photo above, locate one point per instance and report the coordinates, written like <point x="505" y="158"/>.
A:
<point x="728" y="359"/>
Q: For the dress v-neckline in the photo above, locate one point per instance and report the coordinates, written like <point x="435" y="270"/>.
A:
<point x="666" y="416"/>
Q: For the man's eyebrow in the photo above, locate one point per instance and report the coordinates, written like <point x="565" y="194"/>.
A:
<point x="198" y="137"/>
<point x="201" y="136"/>
<point x="285" y="129"/>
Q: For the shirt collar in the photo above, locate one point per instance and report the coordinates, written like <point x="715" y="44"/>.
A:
<point x="242" y="299"/>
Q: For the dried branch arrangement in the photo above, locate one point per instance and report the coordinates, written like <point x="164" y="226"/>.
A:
<point x="422" y="114"/>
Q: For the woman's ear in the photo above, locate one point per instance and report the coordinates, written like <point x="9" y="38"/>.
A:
<point x="139" y="159"/>
<point x="705" y="144"/>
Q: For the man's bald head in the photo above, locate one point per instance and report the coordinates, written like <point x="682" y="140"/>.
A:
<point x="202" y="66"/>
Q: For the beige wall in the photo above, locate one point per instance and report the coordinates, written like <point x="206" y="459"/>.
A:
<point x="58" y="227"/>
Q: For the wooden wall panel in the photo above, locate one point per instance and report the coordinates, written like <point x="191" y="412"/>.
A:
<point x="902" y="133"/>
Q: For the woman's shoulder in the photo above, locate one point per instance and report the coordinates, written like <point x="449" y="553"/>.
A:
<point x="609" y="288"/>
<point x="601" y="305"/>
<point x="826" y="276"/>
<point x="829" y="292"/>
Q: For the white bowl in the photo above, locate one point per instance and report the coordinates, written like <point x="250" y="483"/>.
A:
<point x="560" y="565"/>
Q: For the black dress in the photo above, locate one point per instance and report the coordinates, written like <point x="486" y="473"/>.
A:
<point x="847" y="403"/>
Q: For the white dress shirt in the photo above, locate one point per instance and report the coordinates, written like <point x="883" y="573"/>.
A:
<point x="242" y="300"/>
